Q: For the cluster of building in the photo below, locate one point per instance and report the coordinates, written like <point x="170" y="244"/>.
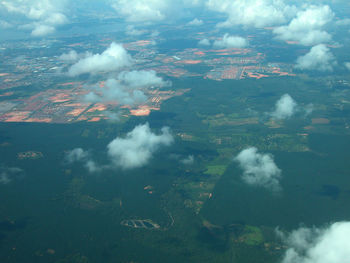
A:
<point x="34" y="89"/>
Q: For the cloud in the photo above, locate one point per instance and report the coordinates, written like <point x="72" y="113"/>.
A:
<point x="347" y="65"/>
<point x="142" y="10"/>
<point x="5" y="25"/>
<point x="252" y="13"/>
<point x="44" y="15"/>
<point x="319" y="58"/>
<point x="152" y="11"/>
<point x="34" y="9"/>
<point x="127" y="88"/>
<point x="113" y="58"/>
<point x="343" y="22"/>
<point x="142" y="78"/>
<point x="92" y="167"/>
<point x="82" y="156"/>
<point x="138" y="147"/>
<point x="8" y="174"/>
<point x="306" y="27"/>
<point x="286" y="107"/>
<point x="76" y="155"/>
<point x="154" y="34"/>
<point x="231" y="42"/>
<point x="114" y="91"/>
<point x="226" y="41"/>
<point x="188" y="161"/>
<point x="4" y="178"/>
<point x="259" y="169"/>
<point x="71" y="56"/>
<point x="308" y="109"/>
<point x="327" y="245"/>
<point x="133" y="151"/>
<point x="195" y="22"/>
<point x="42" y="30"/>
<point x="112" y="117"/>
<point x="132" y="31"/>
<point x="204" y="42"/>
<point x="56" y="19"/>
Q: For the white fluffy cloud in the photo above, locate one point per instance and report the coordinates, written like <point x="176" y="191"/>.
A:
<point x="319" y="58"/>
<point x="8" y="174"/>
<point x="188" y="161"/>
<point x="328" y="245"/>
<point x="259" y="169"/>
<point x="132" y="31"/>
<point x="113" y="58"/>
<point x="80" y="155"/>
<point x="307" y="27"/>
<point x="42" y="30"/>
<point x="204" y="42"/>
<point x="255" y="13"/>
<point x="45" y="15"/>
<point x="133" y="151"/>
<point x="347" y="65"/>
<point x="142" y="78"/>
<point x="76" y="155"/>
<point x="137" y="148"/>
<point x="195" y="22"/>
<point x="5" y="25"/>
<point x="231" y="42"/>
<point x="343" y="22"/>
<point x="286" y="107"/>
<point x="114" y="91"/>
<point x="73" y="56"/>
<point x="112" y="117"/>
<point x="153" y="10"/>
<point x="127" y="89"/>
<point x="142" y="10"/>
